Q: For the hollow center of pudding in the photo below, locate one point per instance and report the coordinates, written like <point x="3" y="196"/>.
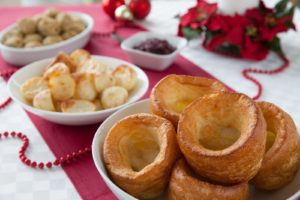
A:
<point x="181" y="104"/>
<point x="140" y="147"/>
<point x="177" y="96"/>
<point x="218" y="137"/>
<point x="218" y="123"/>
<point x="270" y="139"/>
<point x="273" y="125"/>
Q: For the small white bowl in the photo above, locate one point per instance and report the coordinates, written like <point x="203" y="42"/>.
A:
<point x="37" y="68"/>
<point x="150" y="60"/>
<point x="24" y="56"/>
<point x="291" y="191"/>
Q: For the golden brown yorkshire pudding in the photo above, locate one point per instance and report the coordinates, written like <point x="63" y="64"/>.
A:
<point x="185" y="185"/>
<point x="139" y="152"/>
<point x="173" y="93"/>
<point x="222" y="137"/>
<point x="282" y="159"/>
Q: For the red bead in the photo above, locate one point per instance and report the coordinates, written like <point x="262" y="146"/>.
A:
<point x="13" y="134"/>
<point x="41" y="165"/>
<point x="0" y="135"/>
<point x="5" y="103"/>
<point x="28" y="162"/>
<point x="62" y="160"/>
<point x="80" y="152"/>
<point x="24" y="159"/>
<point x="49" y="164"/>
<point x="56" y="162"/>
<point x="21" y="153"/>
<point x="25" y="144"/>
<point x="19" y="135"/>
<point x="5" y="134"/>
<point x="68" y="157"/>
<point x="74" y="154"/>
<point x="33" y="164"/>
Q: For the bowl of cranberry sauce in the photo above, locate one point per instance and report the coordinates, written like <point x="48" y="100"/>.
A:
<point x="153" y="51"/>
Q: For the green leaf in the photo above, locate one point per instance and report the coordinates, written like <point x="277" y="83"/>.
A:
<point x="289" y="12"/>
<point x="190" y="33"/>
<point x="275" y="45"/>
<point x="281" y="5"/>
<point x="229" y="49"/>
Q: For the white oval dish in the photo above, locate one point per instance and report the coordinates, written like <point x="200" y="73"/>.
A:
<point x="24" y="56"/>
<point x="37" y="68"/>
<point x="291" y="191"/>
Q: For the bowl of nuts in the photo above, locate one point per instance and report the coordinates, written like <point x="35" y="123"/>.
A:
<point x="43" y="35"/>
<point x="77" y="89"/>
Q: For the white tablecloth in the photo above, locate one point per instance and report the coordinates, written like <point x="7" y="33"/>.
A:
<point x="18" y="181"/>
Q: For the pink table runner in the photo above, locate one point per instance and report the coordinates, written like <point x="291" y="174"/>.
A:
<point x="65" y="139"/>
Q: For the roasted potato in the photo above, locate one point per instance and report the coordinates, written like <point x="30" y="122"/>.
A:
<point x="43" y="100"/>
<point x="62" y="87"/>
<point x="93" y="66"/>
<point x="85" y="88"/>
<point x="63" y="58"/>
<point x="113" y="97"/>
<point x="76" y="106"/>
<point x="80" y="56"/>
<point x="97" y="103"/>
<point x="103" y="80"/>
<point x="125" y="77"/>
<point x="32" y="87"/>
<point x="56" y="70"/>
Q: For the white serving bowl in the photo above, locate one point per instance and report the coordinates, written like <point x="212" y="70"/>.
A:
<point x="37" y="69"/>
<point x="150" y="60"/>
<point x="291" y="191"/>
<point x="24" y="56"/>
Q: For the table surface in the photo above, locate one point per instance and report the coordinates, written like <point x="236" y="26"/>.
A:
<point x="17" y="181"/>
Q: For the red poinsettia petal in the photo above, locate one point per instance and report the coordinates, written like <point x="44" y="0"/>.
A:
<point x="254" y="16"/>
<point x="235" y="36"/>
<point x="215" y="23"/>
<point x="253" y="50"/>
<point x="188" y="18"/>
<point x="214" y="42"/>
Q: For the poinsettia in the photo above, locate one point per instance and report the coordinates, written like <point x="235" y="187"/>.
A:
<point x="192" y="22"/>
<point x="249" y="36"/>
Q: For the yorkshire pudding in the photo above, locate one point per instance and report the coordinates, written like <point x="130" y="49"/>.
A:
<point x="282" y="157"/>
<point x="173" y="93"/>
<point x="222" y="137"/>
<point x="185" y="185"/>
<point x="139" y="152"/>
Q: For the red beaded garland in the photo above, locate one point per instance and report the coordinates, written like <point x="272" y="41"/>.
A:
<point x="246" y="74"/>
<point x="62" y="160"/>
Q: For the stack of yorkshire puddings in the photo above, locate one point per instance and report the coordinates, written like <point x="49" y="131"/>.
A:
<point x="202" y="142"/>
